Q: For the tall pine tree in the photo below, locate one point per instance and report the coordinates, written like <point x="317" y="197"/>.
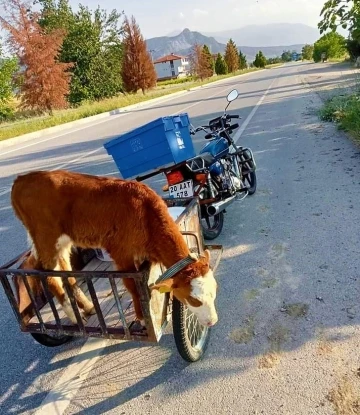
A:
<point x="242" y="60"/>
<point x="45" y="80"/>
<point x="220" y="65"/>
<point x="206" y="64"/>
<point x="138" y="71"/>
<point x="231" y="56"/>
<point x="195" y="60"/>
<point x="260" y="60"/>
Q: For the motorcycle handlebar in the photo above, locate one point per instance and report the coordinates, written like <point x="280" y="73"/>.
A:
<point x="233" y="116"/>
<point x="230" y="127"/>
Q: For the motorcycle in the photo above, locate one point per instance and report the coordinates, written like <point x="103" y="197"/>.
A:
<point x="222" y="172"/>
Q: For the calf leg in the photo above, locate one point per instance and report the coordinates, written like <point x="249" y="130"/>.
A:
<point x="131" y="287"/>
<point x="81" y="299"/>
<point x="56" y="288"/>
<point x="49" y="251"/>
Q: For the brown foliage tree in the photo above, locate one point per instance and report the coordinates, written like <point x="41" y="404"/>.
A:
<point x="201" y="62"/>
<point x="206" y="64"/>
<point x="231" y="56"/>
<point x="195" y="60"/>
<point x="138" y="71"/>
<point x="44" y="80"/>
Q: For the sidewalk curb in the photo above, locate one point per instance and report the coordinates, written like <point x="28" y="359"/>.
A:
<point x="88" y="120"/>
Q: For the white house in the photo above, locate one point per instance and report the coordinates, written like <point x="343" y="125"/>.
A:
<point x="171" y="66"/>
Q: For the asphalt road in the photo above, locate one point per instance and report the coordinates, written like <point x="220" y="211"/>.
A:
<point x="288" y="336"/>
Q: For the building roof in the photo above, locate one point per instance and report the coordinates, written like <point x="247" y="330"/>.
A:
<point x="168" y="58"/>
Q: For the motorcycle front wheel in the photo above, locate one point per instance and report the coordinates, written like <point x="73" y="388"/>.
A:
<point x="212" y="225"/>
<point x="247" y="166"/>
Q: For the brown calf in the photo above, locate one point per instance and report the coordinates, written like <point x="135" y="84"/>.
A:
<point x="128" y="219"/>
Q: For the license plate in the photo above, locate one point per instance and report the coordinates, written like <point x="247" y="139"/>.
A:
<point x="182" y="190"/>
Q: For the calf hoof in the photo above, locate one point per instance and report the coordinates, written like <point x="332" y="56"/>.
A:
<point x="138" y="326"/>
<point x="90" y="310"/>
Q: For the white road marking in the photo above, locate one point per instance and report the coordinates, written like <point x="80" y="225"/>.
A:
<point x="4" y="192"/>
<point x="240" y="132"/>
<point x="59" y="398"/>
<point x="75" y="160"/>
<point x="61" y="166"/>
<point x="59" y="135"/>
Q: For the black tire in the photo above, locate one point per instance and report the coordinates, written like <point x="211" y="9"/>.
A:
<point x="51" y="341"/>
<point x="247" y="167"/>
<point x="212" y="225"/>
<point x="190" y="349"/>
<point x="251" y="181"/>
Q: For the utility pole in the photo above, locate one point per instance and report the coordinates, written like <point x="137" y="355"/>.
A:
<point x="151" y="51"/>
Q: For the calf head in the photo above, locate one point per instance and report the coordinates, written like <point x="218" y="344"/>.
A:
<point x="194" y="286"/>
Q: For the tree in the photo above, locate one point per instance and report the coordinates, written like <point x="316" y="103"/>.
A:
<point x="344" y="13"/>
<point x="353" y="47"/>
<point x="8" y="68"/>
<point x="272" y="61"/>
<point x="45" y="80"/>
<point x="220" y="65"/>
<point x="93" y="43"/>
<point x="195" y="59"/>
<point x="286" y="56"/>
<point x="231" y="56"/>
<point x="242" y="60"/>
<point x="138" y="71"/>
<point x="307" y="52"/>
<point x="260" y="60"/>
<point x="332" y="44"/>
<point x="206" y="64"/>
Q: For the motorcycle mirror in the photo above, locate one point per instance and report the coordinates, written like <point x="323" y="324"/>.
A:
<point x="232" y="95"/>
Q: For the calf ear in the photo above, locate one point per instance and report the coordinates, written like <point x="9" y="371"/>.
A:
<point x="164" y="286"/>
<point x="205" y="257"/>
<point x="207" y="254"/>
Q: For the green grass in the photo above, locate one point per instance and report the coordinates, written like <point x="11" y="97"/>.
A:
<point x="345" y="112"/>
<point x="24" y="125"/>
<point x="274" y="65"/>
<point x="175" y="81"/>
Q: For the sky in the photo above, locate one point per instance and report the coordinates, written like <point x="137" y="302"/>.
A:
<point x="161" y="17"/>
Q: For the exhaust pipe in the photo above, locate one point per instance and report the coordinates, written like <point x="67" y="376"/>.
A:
<point x="218" y="207"/>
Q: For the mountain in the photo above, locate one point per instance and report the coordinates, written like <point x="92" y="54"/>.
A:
<point x="174" y="33"/>
<point x="181" y="44"/>
<point x="269" y="35"/>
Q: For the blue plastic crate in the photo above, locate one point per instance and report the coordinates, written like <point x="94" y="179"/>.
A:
<point x="162" y="142"/>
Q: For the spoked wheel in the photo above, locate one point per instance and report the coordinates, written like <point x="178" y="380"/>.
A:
<point x="247" y="166"/>
<point x="51" y="341"/>
<point x="191" y="338"/>
<point x="212" y="225"/>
